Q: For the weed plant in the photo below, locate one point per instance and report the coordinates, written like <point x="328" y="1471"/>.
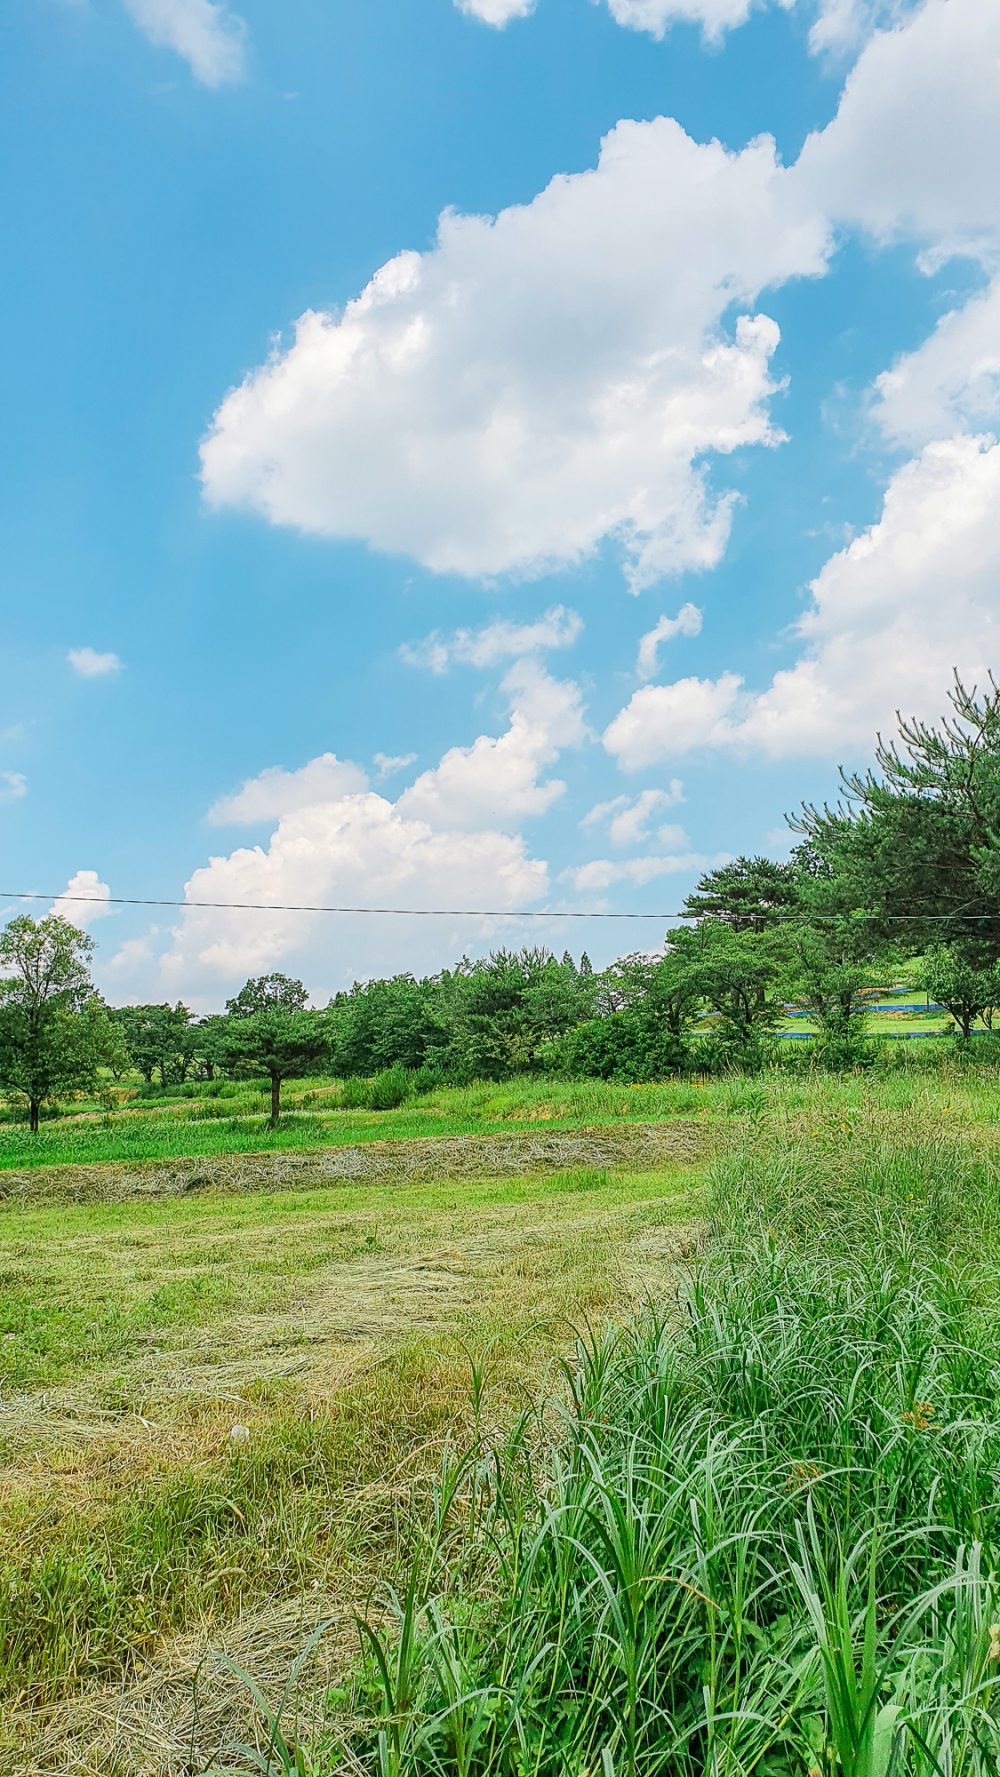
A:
<point x="766" y="1538"/>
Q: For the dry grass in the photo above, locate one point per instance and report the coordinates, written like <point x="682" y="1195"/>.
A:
<point x="338" y="1331"/>
<point x="638" y="1146"/>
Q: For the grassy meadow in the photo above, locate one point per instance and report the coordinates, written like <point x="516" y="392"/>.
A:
<point x="687" y="1468"/>
<point x="134" y="1126"/>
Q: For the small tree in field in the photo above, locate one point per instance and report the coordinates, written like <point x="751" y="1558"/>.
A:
<point x="54" y="1029"/>
<point x="269" y="1033"/>
<point x="962" y="989"/>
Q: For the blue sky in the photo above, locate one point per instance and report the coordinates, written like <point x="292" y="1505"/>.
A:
<point x="739" y="364"/>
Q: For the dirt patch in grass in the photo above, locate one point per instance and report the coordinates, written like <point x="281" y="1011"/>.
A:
<point x="639" y="1147"/>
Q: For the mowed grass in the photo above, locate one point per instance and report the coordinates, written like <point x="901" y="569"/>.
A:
<point x="175" y="1126"/>
<point x="225" y="1417"/>
<point x="216" y="1408"/>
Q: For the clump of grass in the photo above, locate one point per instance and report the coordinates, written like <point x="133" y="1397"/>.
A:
<point x="766" y="1537"/>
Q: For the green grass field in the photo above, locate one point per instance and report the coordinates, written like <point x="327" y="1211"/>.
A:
<point x="232" y="1416"/>
<point x="202" y="1121"/>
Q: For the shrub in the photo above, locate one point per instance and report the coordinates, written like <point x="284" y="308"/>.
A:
<point x="389" y="1089"/>
<point x="425" y="1079"/>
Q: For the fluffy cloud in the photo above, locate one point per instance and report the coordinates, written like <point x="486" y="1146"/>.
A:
<point x="628" y="820"/>
<point x="209" y="37"/>
<point x="276" y="792"/>
<point x="496" y="782"/>
<point x="541" y="380"/>
<point x="949" y="384"/>
<point x="84" y="899"/>
<point x="917" y="133"/>
<point x="665" y="721"/>
<point x="357" y="851"/>
<point x="499" y="640"/>
<point x="446" y="842"/>
<point x="916" y="595"/>
<point x="839" y="24"/>
<point x="496" y="12"/>
<point x="716" y="17"/>
<point x="600" y="873"/>
<point x="91" y="665"/>
<point x="686" y="623"/>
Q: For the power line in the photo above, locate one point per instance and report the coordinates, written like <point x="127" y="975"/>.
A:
<point x="478" y="912"/>
<point x="293" y="907"/>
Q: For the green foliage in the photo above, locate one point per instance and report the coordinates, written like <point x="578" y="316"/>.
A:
<point x="268" y="993"/>
<point x="965" y="991"/>
<point x="382" y="1024"/>
<point x="918" y="844"/>
<point x="274" y="1043"/>
<point x="739" y="973"/>
<point x="55" y="1032"/>
<point x="766" y="1541"/>
<point x="389" y="1089"/>
<point x="748" y="895"/>
<point x="158" y="1037"/>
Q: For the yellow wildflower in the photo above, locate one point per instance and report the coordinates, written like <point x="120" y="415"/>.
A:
<point x="921" y="1416"/>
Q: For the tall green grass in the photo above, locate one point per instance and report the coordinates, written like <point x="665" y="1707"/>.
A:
<point x="766" y="1537"/>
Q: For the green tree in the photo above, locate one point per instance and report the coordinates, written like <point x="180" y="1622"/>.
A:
<point x="831" y="967"/>
<point x="916" y="843"/>
<point x="385" y="1024"/>
<point x="503" y="1011"/>
<point x="966" y="992"/>
<point x="268" y="993"/>
<point x="55" y="1032"/>
<point x="646" y="1008"/>
<point x="157" y="1037"/>
<point x="276" y="1044"/>
<point x="748" y="894"/>
<point x="738" y="973"/>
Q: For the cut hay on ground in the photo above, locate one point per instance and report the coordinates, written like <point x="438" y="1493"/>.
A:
<point x="637" y="1147"/>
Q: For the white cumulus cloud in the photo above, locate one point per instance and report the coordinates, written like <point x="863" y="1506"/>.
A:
<point x="208" y="36"/>
<point x="275" y="792"/>
<point x="91" y="665"/>
<point x="914" y="596"/>
<point x="912" y="148"/>
<point x="495" y="782"/>
<point x="358" y="852"/>
<point x="951" y="383"/>
<point x="499" y="640"/>
<point x="84" y="899"/>
<point x="541" y="380"/>
<point x="666" y="721"/>
<point x="715" y="17"/>
<point x="686" y="623"/>
<point x="446" y="842"/>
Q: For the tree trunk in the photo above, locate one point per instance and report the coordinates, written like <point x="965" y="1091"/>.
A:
<point x="275" y="1100"/>
<point x="33" y="1108"/>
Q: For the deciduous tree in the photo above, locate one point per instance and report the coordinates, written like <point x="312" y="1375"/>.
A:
<point x="55" y="1032"/>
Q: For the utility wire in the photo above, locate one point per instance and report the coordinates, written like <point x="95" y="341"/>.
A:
<point x="473" y="912"/>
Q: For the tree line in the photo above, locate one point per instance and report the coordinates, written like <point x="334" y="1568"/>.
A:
<point x="906" y="864"/>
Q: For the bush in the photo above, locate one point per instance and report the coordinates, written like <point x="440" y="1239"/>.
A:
<point x="622" y="1046"/>
<point x="425" y="1079"/>
<point x="389" y="1089"/>
<point x="356" y="1095"/>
